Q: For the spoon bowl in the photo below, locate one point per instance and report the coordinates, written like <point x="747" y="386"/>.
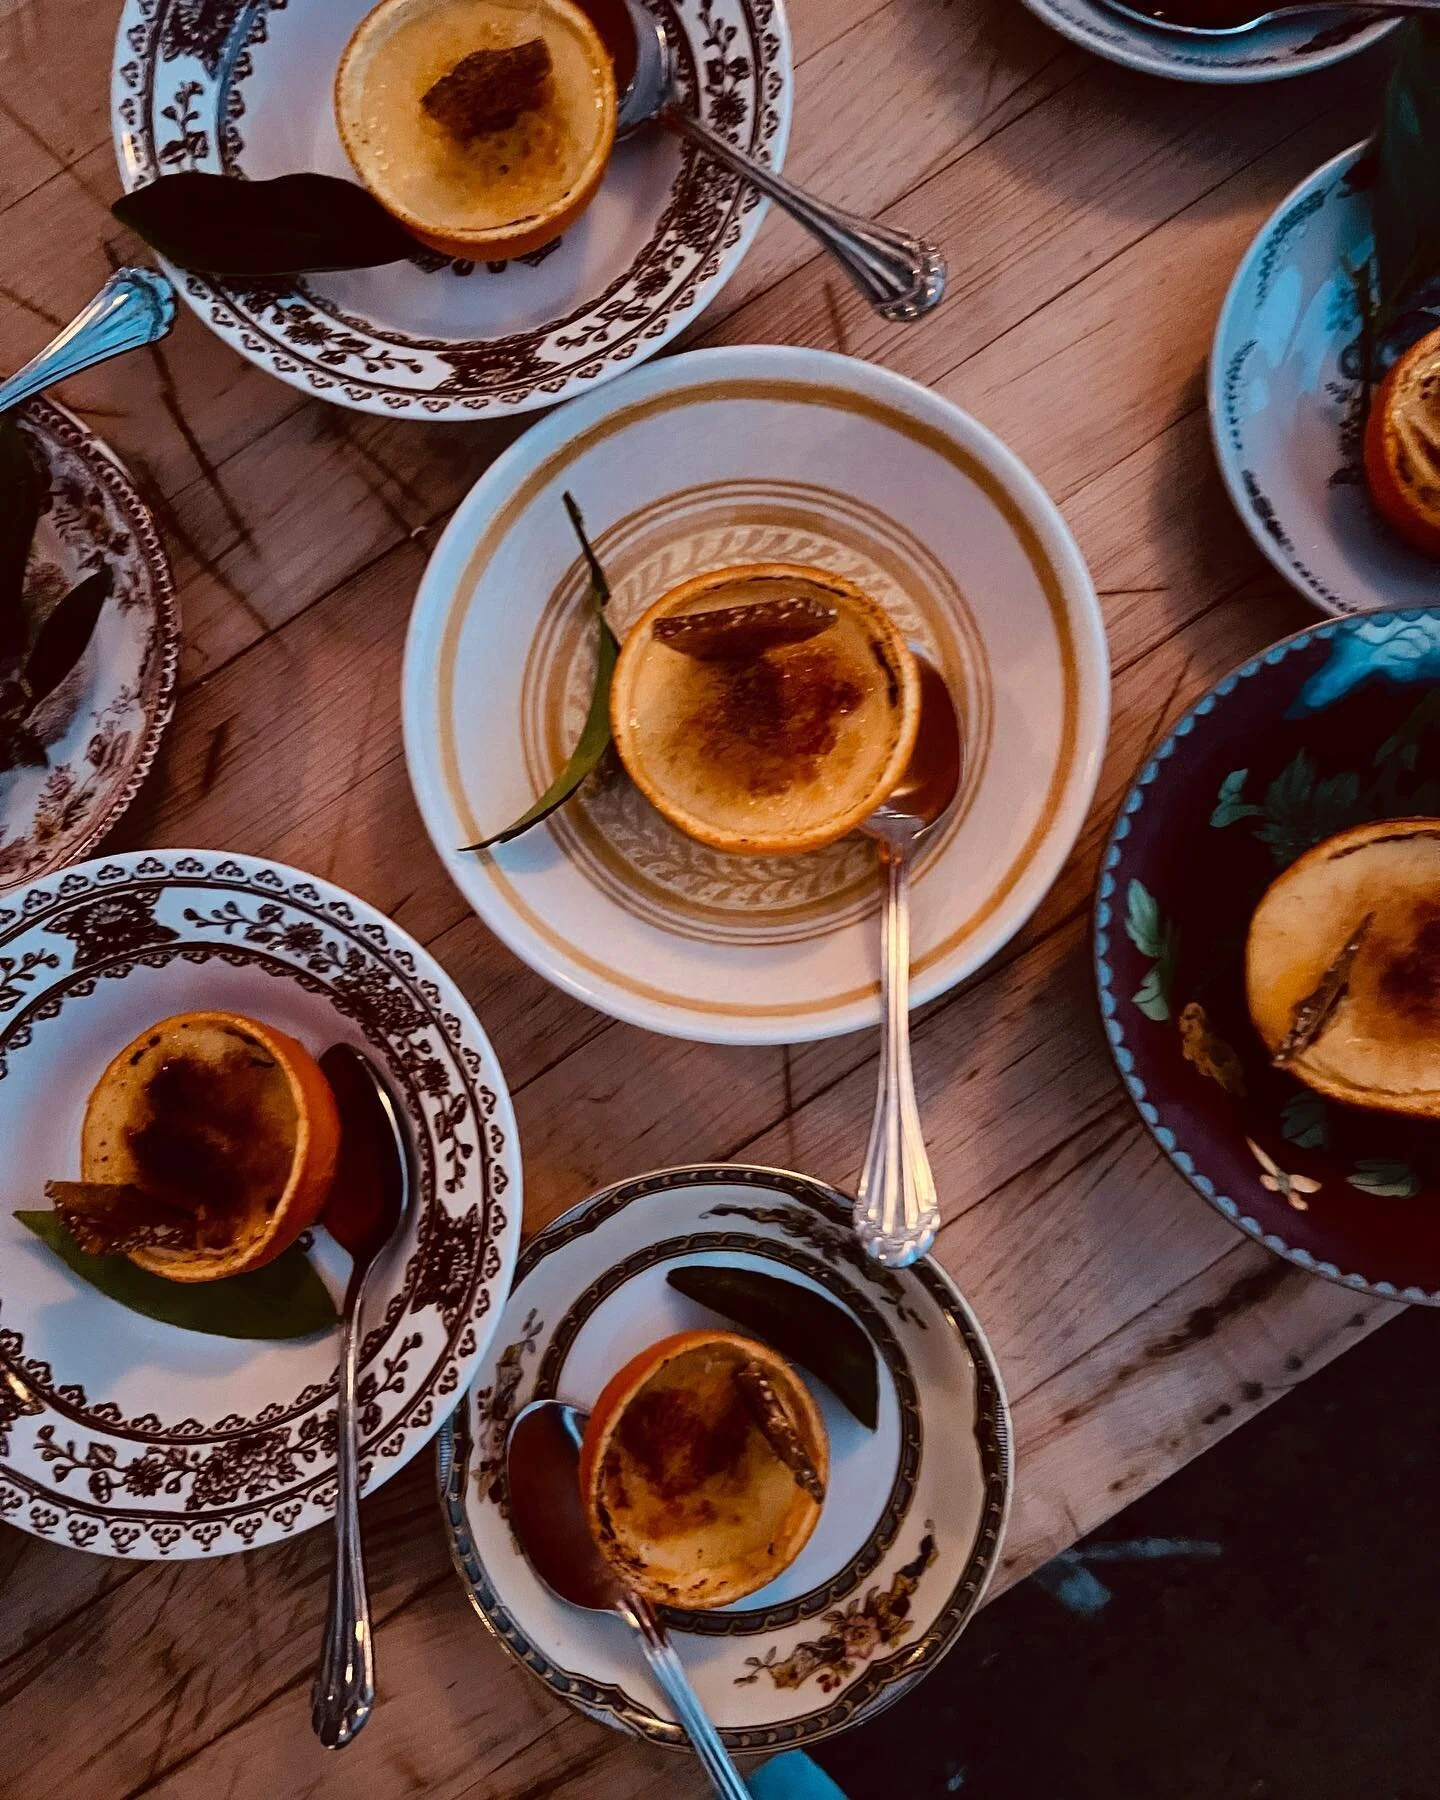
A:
<point x="547" y="1515"/>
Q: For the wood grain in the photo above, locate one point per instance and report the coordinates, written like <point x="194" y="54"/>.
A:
<point x="1092" y="218"/>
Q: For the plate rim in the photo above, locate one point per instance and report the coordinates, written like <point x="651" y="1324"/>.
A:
<point x="1103" y="918"/>
<point x="994" y="1437"/>
<point x="506" y="1240"/>
<point x="113" y="472"/>
<point x="429" y="408"/>
<point x="1239" y="286"/>
<point x="1213" y="75"/>
<point x="808" y="367"/>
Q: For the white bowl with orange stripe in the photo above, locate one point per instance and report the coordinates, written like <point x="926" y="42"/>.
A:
<point x="722" y="458"/>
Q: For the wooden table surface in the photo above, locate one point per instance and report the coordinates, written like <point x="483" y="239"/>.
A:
<point x="1092" y="219"/>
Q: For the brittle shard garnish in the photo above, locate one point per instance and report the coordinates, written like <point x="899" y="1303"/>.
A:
<point x="742" y="633"/>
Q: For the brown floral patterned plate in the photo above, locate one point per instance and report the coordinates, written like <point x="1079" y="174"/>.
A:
<point x="132" y="1438"/>
<point x="102" y="726"/>
<point x="244" y="87"/>
<point x="911" y="1528"/>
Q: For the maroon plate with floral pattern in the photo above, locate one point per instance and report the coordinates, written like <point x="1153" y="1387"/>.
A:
<point x="120" y="1434"/>
<point x="1335" y="726"/>
<point x="102" y="727"/>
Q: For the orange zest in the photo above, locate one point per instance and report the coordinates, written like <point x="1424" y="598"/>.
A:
<point x="693" y="1496"/>
<point x="226" y="1123"/>
<point x="1402" y="446"/>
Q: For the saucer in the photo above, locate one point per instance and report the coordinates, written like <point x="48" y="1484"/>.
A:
<point x="1269" y="53"/>
<point x="246" y="90"/>
<point x="910" y="1532"/>
<point x="102" y="728"/>
<point x="125" y="1436"/>
<point x="1325" y="730"/>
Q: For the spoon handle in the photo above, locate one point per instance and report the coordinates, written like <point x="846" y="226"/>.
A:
<point x="896" y="1214"/>
<point x="901" y="276"/>
<point x="695" y="1722"/>
<point x="135" y="307"/>
<point x="344" y="1690"/>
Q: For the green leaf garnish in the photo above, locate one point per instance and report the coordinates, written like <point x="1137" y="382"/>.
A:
<point x="292" y="225"/>
<point x="595" y="738"/>
<point x="61" y="640"/>
<point x="1405" y="200"/>
<point x="285" y="1299"/>
<point x="22" y="494"/>
<point x="798" y="1322"/>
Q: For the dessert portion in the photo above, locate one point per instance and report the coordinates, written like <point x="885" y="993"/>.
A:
<point x="209" y="1144"/>
<point x="1342" y="967"/>
<point x="767" y="708"/>
<point x="703" y="1469"/>
<point x="1402" y="446"/>
<point x="484" y="126"/>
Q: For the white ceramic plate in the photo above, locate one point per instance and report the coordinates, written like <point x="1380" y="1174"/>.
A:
<point x="911" y="1528"/>
<point x="1269" y="54"/>
<point x="102" y="726"/>
<point x="133" y="1438"/>
<point x="1286" y="403"/>
<point x="244" y="87"/>
<point x="723" y="457"/>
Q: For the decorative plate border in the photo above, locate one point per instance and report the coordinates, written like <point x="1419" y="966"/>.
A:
<point x="254" y="1479"/>
<point x="882" y="1684"/>
<point x="1119" y="40"/>
<point x="1121" y="1051"/>
<point x="733" y="61"/>
<point x="145" y="551"/>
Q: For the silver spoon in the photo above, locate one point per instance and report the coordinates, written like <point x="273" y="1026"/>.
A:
<point x="134" y="308"/>
<point x="901" y="276"/>
<point x="367" y="1207"/>
<point x="1272" y="16"/>
<point x="547" y="1515"/>
<point x="896" y="1213"/>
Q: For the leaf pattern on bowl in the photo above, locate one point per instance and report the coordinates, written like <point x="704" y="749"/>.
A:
<point x="1154" y="937"/>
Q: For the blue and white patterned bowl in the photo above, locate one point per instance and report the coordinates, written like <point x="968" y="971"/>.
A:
<point x="1270" y="54"/>
<point x="1286" y="401"/>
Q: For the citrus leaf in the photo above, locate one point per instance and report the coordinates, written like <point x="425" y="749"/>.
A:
<point x="62" y="638"/>
<point x="1405" y="200"/>
<point x="285" y="1299"/>
<point x="19" y="747"/>
<point x="594" y="739"/>
<point x="22" y="494"/>
<point x="798" y="1322"/>
<point x="292" y="225"/>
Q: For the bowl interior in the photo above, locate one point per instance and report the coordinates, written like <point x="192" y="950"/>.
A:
<point x="1328" y="730"/>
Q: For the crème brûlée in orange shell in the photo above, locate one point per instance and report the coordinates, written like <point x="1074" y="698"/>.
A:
<point x="484" y="126"/>
<point x="765" y="709"/>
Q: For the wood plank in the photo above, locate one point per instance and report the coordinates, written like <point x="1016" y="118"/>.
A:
<point x="1165" y="1387"/>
